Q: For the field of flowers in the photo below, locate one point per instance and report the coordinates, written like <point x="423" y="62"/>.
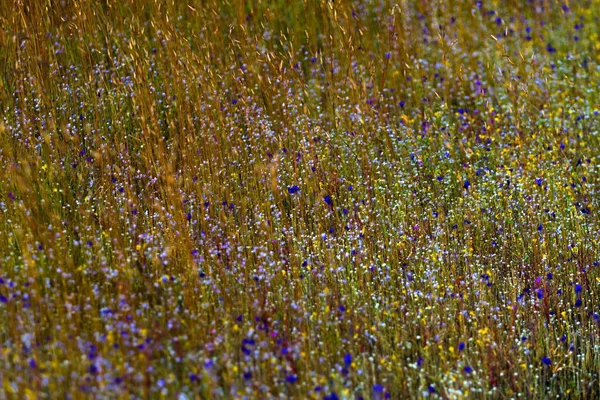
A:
<point x="252" y="199"/>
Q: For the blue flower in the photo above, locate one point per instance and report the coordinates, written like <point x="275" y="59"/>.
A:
<point x="377" y="388"/>
<point x="546" y="361"/>
<point x="467" y="184"/>
<point x="348" y="359"/>
<point x="328" y="200"/>
<point x="293" y="189"/>
<point x="461" y="346"/>
<point x="291" y="378"/>
<point x="468" y="369"/>
<point x="578" y="288"/>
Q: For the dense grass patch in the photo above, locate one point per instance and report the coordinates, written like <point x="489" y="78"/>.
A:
<point x="299" y="199"/>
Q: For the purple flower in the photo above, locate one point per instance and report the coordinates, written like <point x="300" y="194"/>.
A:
<point x="377" y="388"/>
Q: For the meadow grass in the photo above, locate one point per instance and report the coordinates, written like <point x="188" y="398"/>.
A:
<point x="299" y="199"/>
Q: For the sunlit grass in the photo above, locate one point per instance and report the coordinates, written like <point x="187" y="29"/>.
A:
<point x="311" y="199"/>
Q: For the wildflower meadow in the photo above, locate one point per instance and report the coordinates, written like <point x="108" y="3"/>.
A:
<point x="307" y="199"/>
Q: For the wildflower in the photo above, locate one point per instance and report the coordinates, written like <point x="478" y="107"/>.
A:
<point x="348" y="359"/>
<point x="468" y="369"/>
<point x="377" y="388"/>
<point x="328" y="200"/>
<point x="467" y="184"/>
<point x="461" y="346"/>
<point x="546" y="361"/>
<point x="293" y="189"/>
<point x="291" y="378"/>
